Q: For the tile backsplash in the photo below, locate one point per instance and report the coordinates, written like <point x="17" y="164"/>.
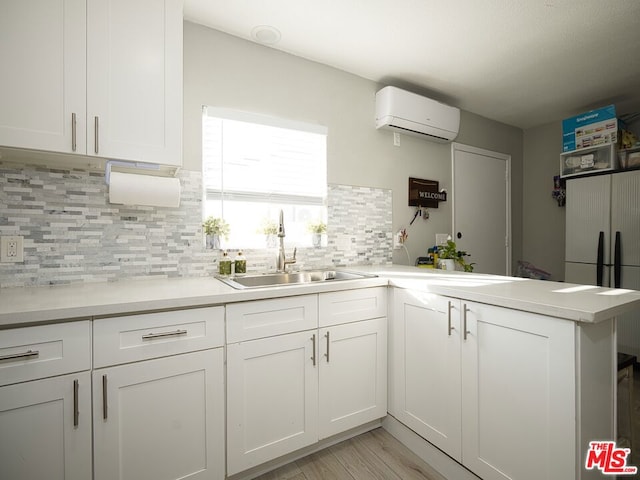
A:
<point x="73" y="234"/>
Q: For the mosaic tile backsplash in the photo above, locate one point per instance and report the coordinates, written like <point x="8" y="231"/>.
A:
<point x="73" y="234"/>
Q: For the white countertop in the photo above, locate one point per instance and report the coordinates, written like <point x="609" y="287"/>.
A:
<point x="31" y="305"/>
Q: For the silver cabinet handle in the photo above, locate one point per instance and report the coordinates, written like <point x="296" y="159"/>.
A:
<point x="464" y="317"/>
<point x="73" y="132"/>
<point x="313" y="356"/>
<point x="328" y="342"/>
<point x="76" y="412"/>
<point x="104" y="397"/>
<point x="17" y="356"/>
<point x="95" y="132"/>
<point x="175" y="333"/>
<point x="449" y="307"/>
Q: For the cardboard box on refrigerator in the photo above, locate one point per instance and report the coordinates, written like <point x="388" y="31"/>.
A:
<point x="590" y="129"/>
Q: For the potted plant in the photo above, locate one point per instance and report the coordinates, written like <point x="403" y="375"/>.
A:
<point x="214" y="228"/>
<point x="449" y="256"/>
<point x="269" y="229"/>
<point x="317" y="229"/>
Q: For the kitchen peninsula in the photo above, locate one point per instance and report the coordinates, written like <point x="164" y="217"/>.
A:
<point x="509" y="377"/>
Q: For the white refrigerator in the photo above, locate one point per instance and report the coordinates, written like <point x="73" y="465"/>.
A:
<point x="603" y="240"/>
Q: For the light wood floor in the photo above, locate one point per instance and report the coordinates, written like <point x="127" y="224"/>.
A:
<point x="372" y="455"/>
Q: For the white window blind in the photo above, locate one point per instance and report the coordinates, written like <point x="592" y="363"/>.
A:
<point x="255" y="165"/>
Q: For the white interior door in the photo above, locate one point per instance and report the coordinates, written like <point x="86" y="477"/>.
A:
<point x="481" y="222"/>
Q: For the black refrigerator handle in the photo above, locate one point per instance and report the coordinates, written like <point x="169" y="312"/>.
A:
<point x="617" y="262"/>
<point x="600" y="265"/>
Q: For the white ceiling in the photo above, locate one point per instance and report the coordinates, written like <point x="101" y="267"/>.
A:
<point x="521" y="62"/>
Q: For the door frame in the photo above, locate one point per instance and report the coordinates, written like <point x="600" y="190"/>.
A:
<point x="500" y="156"/>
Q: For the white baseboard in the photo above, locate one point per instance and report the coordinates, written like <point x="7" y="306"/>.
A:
<point x="298" y="454"/>
<point x="440" y="461"/>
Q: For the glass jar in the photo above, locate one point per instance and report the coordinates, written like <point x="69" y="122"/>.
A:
<point x="241" y="264"/>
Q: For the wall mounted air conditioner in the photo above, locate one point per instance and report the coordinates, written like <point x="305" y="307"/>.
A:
<point x="413" y="114"/>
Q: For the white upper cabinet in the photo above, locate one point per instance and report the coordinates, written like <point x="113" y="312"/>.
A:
<point x="93" y="77"/>
<point x="43" y="82"/>
<point x="134" y="80"/>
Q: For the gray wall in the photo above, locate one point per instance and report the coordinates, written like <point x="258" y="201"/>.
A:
<point x="221" y="70"/>
<point x="543" y="219"/>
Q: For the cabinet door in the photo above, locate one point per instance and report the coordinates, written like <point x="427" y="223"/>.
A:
<point x="43" y="58"/>
<point x="628" y="330"/>
<point x="40" y="434"/>
<point x="588" y="214"/>
<point x="134" y="80"/>
<point x="425" y="373"/>
<point x="518" y="396"/>
<point x="160" y="418"/>
<point x="353" y="375"/>
<point x="625" y="215"/>
<point x="272" y="398"/>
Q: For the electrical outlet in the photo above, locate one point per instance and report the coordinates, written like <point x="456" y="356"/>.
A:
<point x="397" y="240"/>
<point x="441" y="238"/>
<point x="11" y="249"/>
<point x="396" y="139"/>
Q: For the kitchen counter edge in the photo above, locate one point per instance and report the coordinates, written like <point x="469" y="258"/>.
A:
<point x="36" y="305"/>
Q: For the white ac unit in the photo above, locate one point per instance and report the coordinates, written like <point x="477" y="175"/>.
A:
<point x="414" y="114"/>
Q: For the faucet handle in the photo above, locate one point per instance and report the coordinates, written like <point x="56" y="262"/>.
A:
<point x="295" y="250"/>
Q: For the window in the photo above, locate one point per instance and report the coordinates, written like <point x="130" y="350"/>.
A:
<point x="254" y="166"/>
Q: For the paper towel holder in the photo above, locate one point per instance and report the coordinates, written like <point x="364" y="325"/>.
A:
<point x="124" y="163"/>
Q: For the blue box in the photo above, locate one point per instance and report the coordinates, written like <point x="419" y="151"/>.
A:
<point x="590" y="129"/>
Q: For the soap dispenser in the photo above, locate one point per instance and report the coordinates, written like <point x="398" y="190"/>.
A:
<point x="224" y="266"/>
<point x="240" y="263"/>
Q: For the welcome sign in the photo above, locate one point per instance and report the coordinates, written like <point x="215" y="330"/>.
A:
<point x="425" y="193"/>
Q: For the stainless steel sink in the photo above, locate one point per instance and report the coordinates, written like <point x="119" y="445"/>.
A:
<point x="284" y="279"/>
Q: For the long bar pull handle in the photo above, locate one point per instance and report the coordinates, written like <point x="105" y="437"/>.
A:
<point x="96" y="127"/>
<point x="73" y="132"/>
<point x="464" y="320"/>
<point x="76" y="412"/>
<point x="328" y="343"/>
<point x="617" y="262"/>
<point x="16" y="356"/>
<point x="600" y="260"/>
<point x="104" y="397"/>
<point x="313" y="356"/>
<point x="449" y="307"/>
<point x="150" y="336"/>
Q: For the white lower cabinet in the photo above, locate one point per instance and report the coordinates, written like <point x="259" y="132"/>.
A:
<point x="272" y="398"/>
<point x="158" y="409"/>
<point x="492" y="387"/>
<point x="160" y="418"/>
<point x="45" y="429"/>
<point x="425" y="383"/>
<point x="353" y="375"/>
<point x="289" y="391"/>
<point x="45" y="402"/>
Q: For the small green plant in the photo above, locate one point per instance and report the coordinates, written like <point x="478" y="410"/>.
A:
<point x="268" y="227"/>
<point x="216" y="226"/>
<point x="317" y="227"/>
<point x="450" y="251"/>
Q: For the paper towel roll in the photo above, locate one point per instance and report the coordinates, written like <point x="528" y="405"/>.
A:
<point x="134" y="189"/>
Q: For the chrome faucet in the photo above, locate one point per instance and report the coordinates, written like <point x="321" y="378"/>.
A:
<point x="282" y="261"/>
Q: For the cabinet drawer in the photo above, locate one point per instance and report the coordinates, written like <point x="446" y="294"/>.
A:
<point x="150" y="335"/>
<point x="352" y="305"/>
<point x="43" y="351"/>
<point x="265" y="318"/>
